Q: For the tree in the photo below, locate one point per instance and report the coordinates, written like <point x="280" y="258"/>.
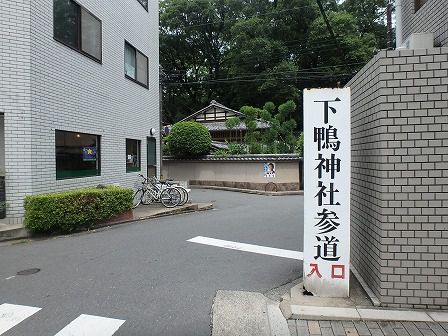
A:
<point x="242" y="52"/>
<point x="279" y="137"/>
<point x="253" y="135"/>
<point x="232" y="123"/>
<point x="370" y="16"/>
<point x="194" y="41"/>
<point x="351" y="49"/>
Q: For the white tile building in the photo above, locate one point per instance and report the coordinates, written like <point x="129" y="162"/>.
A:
<point x="62" y="68"/>
<point x="399" y="199"/>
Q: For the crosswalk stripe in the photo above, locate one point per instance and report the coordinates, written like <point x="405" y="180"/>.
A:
<point x="12" y="315"/>
<point x="248" y="247"/>
<point x="89" y="325"/>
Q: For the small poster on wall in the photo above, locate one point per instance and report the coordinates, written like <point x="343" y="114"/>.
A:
<point x="269" y="169"/>
<point x="89" y="154"/>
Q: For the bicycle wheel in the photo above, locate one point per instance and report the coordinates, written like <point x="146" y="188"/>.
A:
<point x="185" y="195"/>
<point x="137" y="199"/>
<point x="148" y="198"/>
<point x="170" y="197"/>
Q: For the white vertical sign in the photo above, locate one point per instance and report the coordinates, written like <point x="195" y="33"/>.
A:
<point x="326" y="263"/>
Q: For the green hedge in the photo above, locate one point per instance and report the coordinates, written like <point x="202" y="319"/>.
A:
<point x="189" y="139"/>
<point x="76" y="209"/>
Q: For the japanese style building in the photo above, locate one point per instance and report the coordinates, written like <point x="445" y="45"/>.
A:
<point x="79" y="95"/>
<point x="399" y="217"/>
<point x="214" y="117"/>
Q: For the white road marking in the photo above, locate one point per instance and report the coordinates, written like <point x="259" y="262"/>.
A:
<point x="12" y="315"/>
<point x="89" y="325"/>
<point x="11" y="277"/>
<point x="248" y="247"/>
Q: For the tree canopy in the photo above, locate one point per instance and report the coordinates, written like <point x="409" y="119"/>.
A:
<point x="244" y="52"/>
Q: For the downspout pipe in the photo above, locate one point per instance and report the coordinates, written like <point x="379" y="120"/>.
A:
<point x="398" y="24"/>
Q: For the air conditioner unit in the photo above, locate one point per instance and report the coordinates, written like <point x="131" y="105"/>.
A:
<point x="419" y="41"/>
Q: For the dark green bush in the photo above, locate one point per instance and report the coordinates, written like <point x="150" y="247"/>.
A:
<point x="255" y="148"/>
<point x="221" y="153"/>
<point x="236" y="148"/>
<point x="299" y="147"/>
<point x="76" y="209"/>
<point x="189" y="139"/>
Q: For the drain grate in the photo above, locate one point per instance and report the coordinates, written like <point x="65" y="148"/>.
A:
<point x="29" y="271"/>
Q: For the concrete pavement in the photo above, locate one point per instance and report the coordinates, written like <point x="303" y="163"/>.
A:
<point x="237" y="313"/>
<point x="150" y="276"/>
<point x="147" y="273"/>
<point x="360" y="328"/>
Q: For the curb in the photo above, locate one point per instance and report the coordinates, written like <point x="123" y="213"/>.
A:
<point x="249" y="191"/>
<point x="19" y="232"/>
<point x="364" y="314"/>
<point x="373" y="298"/>
<point x="357" y="307"/>
<point x="13" y="232"/>
<point x="278" y="326"/>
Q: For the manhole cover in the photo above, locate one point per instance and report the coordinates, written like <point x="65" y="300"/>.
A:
<point x="29" y="271"/>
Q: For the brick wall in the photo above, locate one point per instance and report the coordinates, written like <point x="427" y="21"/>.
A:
<point x="68" y="91"/>
<point x="15" y="97"/>
<point x="400" y="177"/>
<point x="431" y="17"/>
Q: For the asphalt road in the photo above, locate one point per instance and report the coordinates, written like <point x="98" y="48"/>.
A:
<point x="148" y="274"/>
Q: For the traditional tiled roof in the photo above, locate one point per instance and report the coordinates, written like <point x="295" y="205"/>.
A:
<point x="221" y="126"/>
<point x="246" y="157"/>
<point x="219" y="145"/>
<point x="212" y="104"/>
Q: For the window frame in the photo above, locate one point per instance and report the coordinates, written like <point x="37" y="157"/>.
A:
<point x="79" y="32"/>
<point x="145" y="85"/>
<point x="145" y="7"/>
<point x="139" y="155"/>
<point x="98" y="155"/>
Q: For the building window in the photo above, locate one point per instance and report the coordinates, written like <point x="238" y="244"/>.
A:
<point x="132" y="155"/>
<point x="77" y="28"/>
<point x="77" y="155"/>
<point x="144" y="3"/>
<point x="419" y="4"/>
<point x="135" y="65"/>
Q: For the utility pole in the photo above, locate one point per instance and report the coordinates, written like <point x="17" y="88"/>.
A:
<point x="162" y="78"/>
<point x="330" y="30"/>
<point x="390" y="38"/>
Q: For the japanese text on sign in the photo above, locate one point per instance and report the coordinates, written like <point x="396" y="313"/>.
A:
<point x="327" y="192"/>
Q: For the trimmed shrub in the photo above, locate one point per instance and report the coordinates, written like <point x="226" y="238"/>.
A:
<point x="189" y="139"/>
<point x="74" y="210"/>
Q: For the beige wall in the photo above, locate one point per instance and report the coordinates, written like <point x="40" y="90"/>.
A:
<point x="230" y="171"/>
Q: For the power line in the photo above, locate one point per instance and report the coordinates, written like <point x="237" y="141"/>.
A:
<point x="295" y="71"/>
<point x="260" y="80"/>
<point x="246" y="79"/>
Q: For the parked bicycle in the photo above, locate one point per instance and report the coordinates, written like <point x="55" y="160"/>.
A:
<point x="148" y="192"/>
<point x="185" y="193"/>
